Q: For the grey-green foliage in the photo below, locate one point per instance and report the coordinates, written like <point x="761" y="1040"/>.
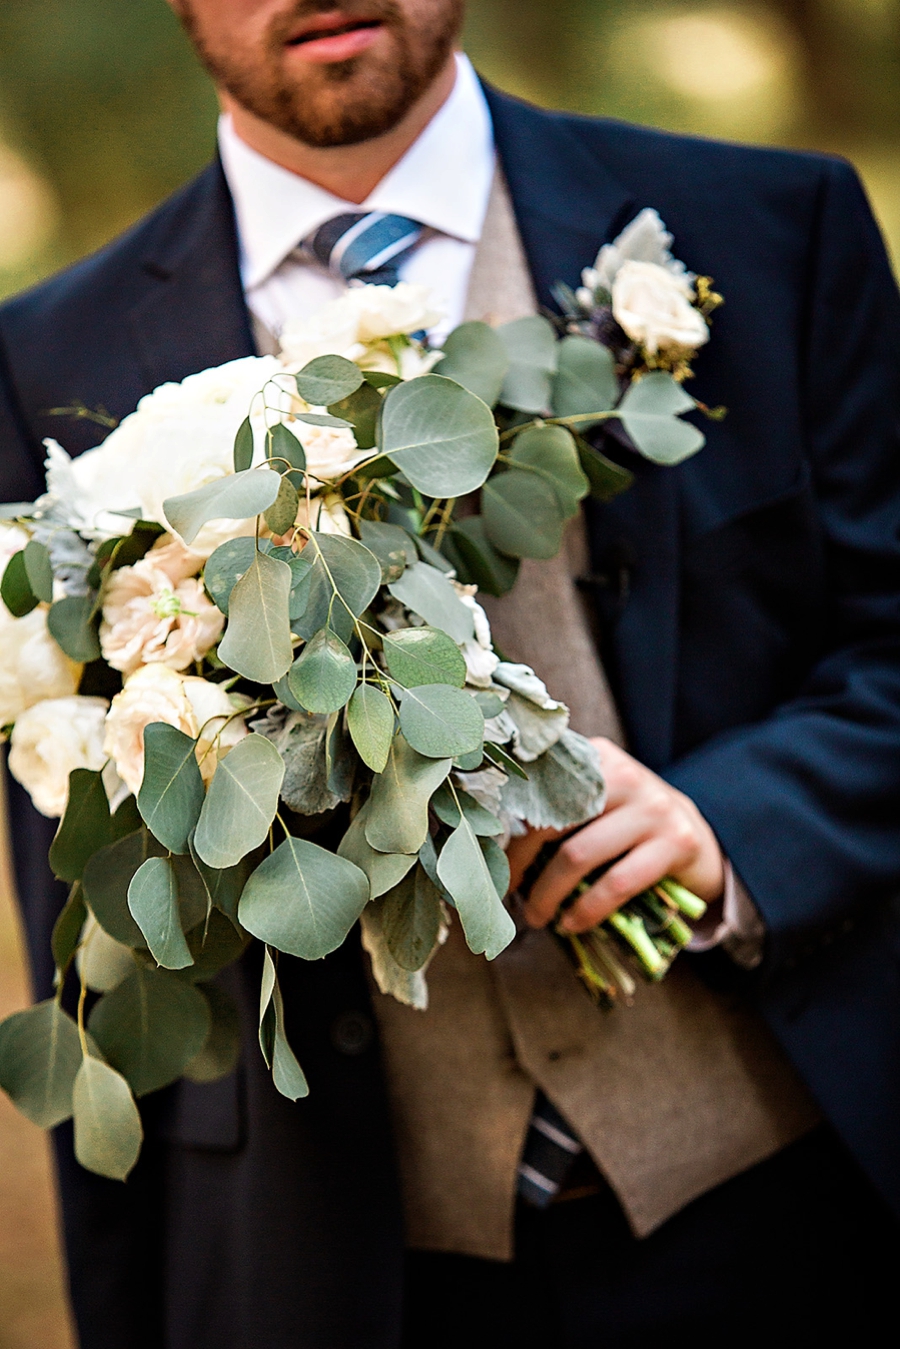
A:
<point x="462" y="868"/>
<point x="324" y="675"/>
<point x="475" y="356"/>
<point x="585" y="379"/>
<point x="428" y="593"/>
<point x="411" y="919"/>
<point x="40" y="1055"/>
<point x="416" y="656"/>
<point x="531" y="349"/>
<point x="440" y="721"/>
<point x="343" y="579"/>
<point x="442" y="436"/>
<point x="303" y="900"/>
<point x="150" y="1027"/>
<point x="383" y="869"/>
<point x="237" y="496"/>
<point x="287" y="1074"/>
<point x="398" y="805"/>
<point x="240" y="805"/>
<point x="257" y="641"/>
<point x="153" y="901"/>
<point x="564" y="786"/>
<point x="222" y="1046"/>
<point x="108" y="1132"/>
<point x="370" y="721"/>
<point x="171" y="793"/>
<point x="651" y="414"/>
<point x="301" y="741"/>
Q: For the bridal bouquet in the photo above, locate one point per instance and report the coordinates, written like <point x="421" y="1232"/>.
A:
<point x="244" y="663"/>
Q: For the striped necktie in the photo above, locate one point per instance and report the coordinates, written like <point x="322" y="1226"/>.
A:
<point x="364" y="245"/>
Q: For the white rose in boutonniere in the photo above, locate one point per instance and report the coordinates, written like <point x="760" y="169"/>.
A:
<point x="51" y="739"/>
<point x="653" y="306"/>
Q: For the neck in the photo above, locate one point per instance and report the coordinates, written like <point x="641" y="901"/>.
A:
<point x="350" y="172"/>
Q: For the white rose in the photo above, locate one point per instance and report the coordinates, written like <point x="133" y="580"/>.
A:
<point x="156" y="611"/>
<point x="363" y="314"/>
<point x="330" y="450"/>
<point x="51" y="739"/>
<point x="325" y="514"/>
<point x="13" y="539"/>
<point x="32" y="666"/>
<point x="645" y="239"/>
<point x="414" y="361"/>
<point x="653" y="306"/>
<point x="158" y="693"/>
<point x="179" y="438"/>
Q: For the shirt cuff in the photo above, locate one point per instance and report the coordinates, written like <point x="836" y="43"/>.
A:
<point x="732" y="922"/>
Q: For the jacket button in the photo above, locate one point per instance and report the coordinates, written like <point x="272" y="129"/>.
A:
<point x="352" y="1033"/>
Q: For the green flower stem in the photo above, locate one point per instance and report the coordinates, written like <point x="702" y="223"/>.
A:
<point x="632" y="929"/>
<point x="689" y="904"/>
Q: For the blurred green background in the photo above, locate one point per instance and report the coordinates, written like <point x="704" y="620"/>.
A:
<point x="103" y="109"/>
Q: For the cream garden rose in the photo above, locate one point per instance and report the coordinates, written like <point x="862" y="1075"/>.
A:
<point x="361" y="316"/>
<point x="652" y="304"/>
<point x="157" y="610"/>
<point x="51" y="739"/>
<point x="32" y="666"/>
<point x="159" y="693"/>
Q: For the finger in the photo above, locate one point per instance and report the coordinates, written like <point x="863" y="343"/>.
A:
<point x="523" y="850"/>
<point x="623" y="775"/>
<point x="640" y="869"/>
<point x="597" y="843"/>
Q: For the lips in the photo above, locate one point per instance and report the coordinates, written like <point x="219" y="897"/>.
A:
<point x="334" y="37"/>
<point x="324" y="28"/>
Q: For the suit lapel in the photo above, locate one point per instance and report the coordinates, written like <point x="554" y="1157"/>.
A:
<point x="192" y="314"/>
<point x="567" y="204"/>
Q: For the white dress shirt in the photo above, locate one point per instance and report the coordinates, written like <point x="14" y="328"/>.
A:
<point x="443" y="181"/>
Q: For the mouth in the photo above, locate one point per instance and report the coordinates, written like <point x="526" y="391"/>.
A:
<point x="333" y="37"/>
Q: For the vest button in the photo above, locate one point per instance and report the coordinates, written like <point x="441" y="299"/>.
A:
<point x="352" y="1033"/>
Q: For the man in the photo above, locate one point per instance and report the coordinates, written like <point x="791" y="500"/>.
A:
<point x="749" y="605"/>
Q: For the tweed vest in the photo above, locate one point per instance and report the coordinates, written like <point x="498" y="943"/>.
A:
<point x="671" y="1096"/>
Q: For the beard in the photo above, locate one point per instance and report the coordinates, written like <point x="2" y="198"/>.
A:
<point x="344" y="103"/>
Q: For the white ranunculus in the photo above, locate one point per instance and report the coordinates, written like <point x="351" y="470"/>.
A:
<point x="362" y="315"/>
<point x="159" y="693"/>
<point x="32" y="666"/>
<point x="51" y="739"/>
<point x="179" y="438"/>
<point x="653" y="306"/>
<point x="330" y="450"/>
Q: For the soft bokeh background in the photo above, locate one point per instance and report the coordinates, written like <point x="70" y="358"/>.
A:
<point x="103" y="111"/>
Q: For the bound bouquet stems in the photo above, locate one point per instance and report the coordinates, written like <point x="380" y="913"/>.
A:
<point x="647" y="933"/>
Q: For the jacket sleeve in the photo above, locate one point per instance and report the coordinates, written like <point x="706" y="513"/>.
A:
<point x="806" y="803"/>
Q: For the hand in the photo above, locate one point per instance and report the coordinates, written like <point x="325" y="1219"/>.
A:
<point x="652" y="829"/>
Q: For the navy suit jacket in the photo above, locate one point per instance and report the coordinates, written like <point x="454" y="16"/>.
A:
<point x="750" y="604"/>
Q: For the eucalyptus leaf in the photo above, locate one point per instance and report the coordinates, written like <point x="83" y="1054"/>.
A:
<point x="391" y="545"/>
<point x="411" y="919"/>
<point x="84" y="828"/>
<point x="257" y="641"/>
<point x="71" y="627"/>
<point x="585" y="378"/>
<point x="340" y="757"/>
<point x="243" y="447"/>
<point x="476" y="560"/>
<point x="607" y="479"/>
<point x="370" y="720"/>
<point x="428" y="593"/>
<point x="223" y="885"/>
<point x="67" y="928"/>
<point x="475" y="356"/>
<point x="150" y="1027"/>
<point x="40" y="1054"/>
<point x="442" y="437"/>
<point x="522" y="515"/>
<point x="324" y="674"/>
<point x="214" y="944"/>
<point x="383" y="869"/>
<point x="398" y="805"/>
<point x="225" y="567"/>
<point x="108" y="1131"/>
<point x="327" y="380"/>
<point x="126" y="818"/>
<point x="416" y="656"/>
<point x="241" y="802"/>
<point x="283" y="444"/>
<point x="301" y="742"/>
<point x="287" y="1075"/>
<point x="153" y="901"/>
<point x="531" y="348"/>
<point x="172" y="792"/>
<point x="303" y="900"/>
<point x="220" y="1053"/>
<point x="237" y="496"/>
<point x="462" y="868"/>
<point x="38" y="570"/>
<point x="15" y="587"/>
<point x="101" y="961"/>
<point x="441" y="722"/>
<point x="107" y="877"/>
<point x="650" y="413"/>
<point x="504" y="761"/>
<point x="282" y="514"/>
<point x="361" y="409"/>
<point x="449" y="809"/>
<point x="343" y="579"/>
<point x="551" y="451"/>
<point x="497" y="863"/>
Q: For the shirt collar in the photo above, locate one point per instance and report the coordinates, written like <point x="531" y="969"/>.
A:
<point x="443" y="180"/>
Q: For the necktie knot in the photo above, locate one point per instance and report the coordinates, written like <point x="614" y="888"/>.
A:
<point x="368" y="246"/>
